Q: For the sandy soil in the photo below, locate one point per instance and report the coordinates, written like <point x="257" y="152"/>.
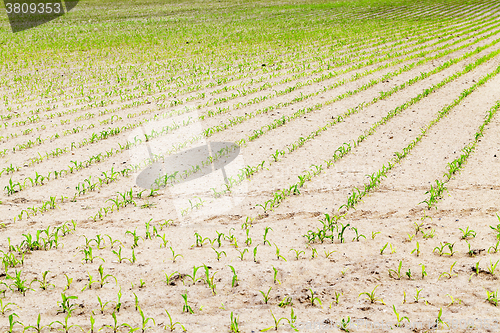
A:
<point x="260" y="258"/>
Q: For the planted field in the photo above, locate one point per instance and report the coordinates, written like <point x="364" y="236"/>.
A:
<point x="209" y="166"/>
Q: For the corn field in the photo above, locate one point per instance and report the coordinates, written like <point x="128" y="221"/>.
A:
<point x="153" y="155"/>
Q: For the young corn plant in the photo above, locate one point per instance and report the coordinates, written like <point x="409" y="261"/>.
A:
<point x="275" y="276"/>
<point x="397" y="273"/>
<point x="297" y="253"/>
<point x="174" y="256"/>
<point x="4" y="308"/>
<point x="66" y="305"/>
<point x="277" y="322"/>
<point x="38" y="327"/>
<point x="314" y="299"/>
<point x="44" y="285"/>
<point x="278" y="256"/>
<point x="234" y="280"/>
<point x="424" y="272"/>
<point x="171" y="325"/>
<point x="210" y="280"/>
<point x="219" y="254"/>
<point x="186" y="307"/>
<point x="439" y="320"/>
<point x="466" y="233"/>
<point x="450" y="273"/>
<point x="371" y="296"/>
<point x="116" y="327"/>
<point x="144" y="320"/>
<point x="416" y="250"/>
<point x="266" y="231"/>
<point x="491" y="268"/>
<point x="399" y="318"/>
<point x="492" y="297"/>
<point x="345" y="324"/>
<point x="234" y="324"/>
<point x="265" y="295"/>
<point x="103" y="277"/>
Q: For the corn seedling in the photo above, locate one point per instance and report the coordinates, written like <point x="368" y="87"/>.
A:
<point x="278" y="256"/>
<point x="89" y="256"/>
<point x="424" y="273"/>
<point x="328" y="254"/>
<point x="266" y="231"/>
<point x="168" y="278"/>
<point x="275" y="276"/>
<point x="38" y="327"/>
<point x="186" y="307"/>
<point x="210" y="280"/>
<point x="102" y="306"/>
<point x="174" y="256"/>
<point x="4" y="308"/>
<point x="491" y="268"/>
<point x="492" y="297"/>
<point x="13" y="322"/>
<point x="18" y="283"/>
<point x="497" y="229"/>
<point x="439" y="320"/>
<point x="397" y="272"/>
<point x="241" y="253"/>
<point x="383" y="248"/>
<point x="371" y="296"/>
<point x="90" y="283"/>
<point x="66" y="305"/>
<point x="417" y="297"/>
<point x="416" y="250"/>
<point x="345" y="324"/>
<point x="220" y="253"/>
<point x="116" y="327"/>
<point x="375" y="233"/>
<point x="68" y="282"/>
<point x="171" y="325"/>
<point x="449" y="273"/>
<point x="118" y="304"/>
<point x="495" y="248"/>
<point x="276" y="322"/>
<point x="429" y="234"/>
<point x="103" y="277"/>
<point x="135" y="236"/>
<point x="255" y="254"/>
<point x="399" y="318"/>
<point x="314" y="299"/>
<point x="234" y="280"/>
<point x="234" y="324"/>
<point x="297" y="253"/>
<point x="136" y="300"/>
<point x="193" y="276"/>
<point x="44" y="285"/>
<point x="358" y="236"/>
<point x="266" y="295"/>
<point x="248" y="240"/>
<point x="440" y="249"/>
<point x="286" y="301"/>
<point x="467" y="233"/>
<point x="163" y="239"/>
<point x="337" y="298"/>
<point x="145" y="320"/>
<point x="454" y="300"/>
